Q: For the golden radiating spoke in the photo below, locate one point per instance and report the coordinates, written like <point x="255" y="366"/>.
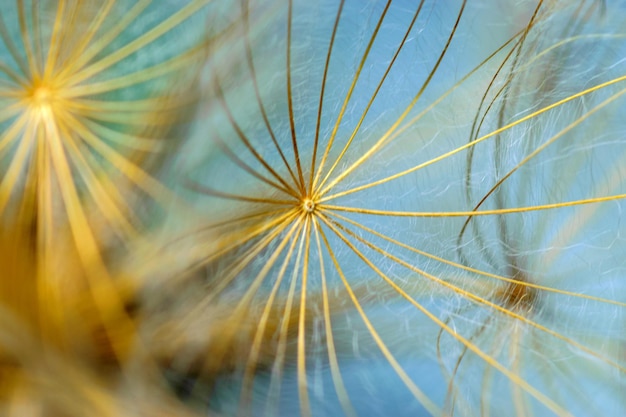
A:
<point x="386" y="139"/>
<point x="320" y="105"/>
<point x="230" y="223"/>
<point x="244" y="260"/>
<point x="292" y="121"/>
<point x="155" y="114"/>
<point x="491" y="134"/>
<point x="129" y="141"/>
<point x="133" y="172"/>
<point x="107" y="300"/>
<point x="247" y="168"/>
<point x="262" y="327"/>
<point x="319" y="191"/>
<point x="520" y="402"/>
<point x="477" y="126"/>
<point x="160" y="118"/>
<point x="585" y="215"/>
<point x="344" y="106"/>
<point x="253" y="288"/>
<point x="45" y="219"/>
<point x="570" y="376"/>
<point x="233" y="233"/>
<point x="340" y="389"/>
<point x="72" y="184"/>
<point x="55" y="41"/>
<point x="417" y="393"/>
<point x="255" y="85"/>
<point x="372" y="98"/>
<point x="470" y="295"/>
<point x="91" y="107"/>
<point x="18" y="161"/>
<point x="246" y="141"/>
<point x="242" y="308"/>
<point x="105" y="196"/>
<point x="323" y="190"/>
<point x="305" y="405"/>
<point x="174" y="64"/>
<point x="82" y="149"/>
<point x="86" y="241"/>
<point x="452" y="389"/>
<point x="77" y="52"/>
<point x="487" y="384"/>
<point x="202" y="189"/>
<point x="135" y="45"/>
<point x="11" y="134"/>
<point x="476" y="213"/>
<point x="539" y="149"/>
<point x="102" y="42"/>
<point x="281" y="349"/>
<point x="515" y="378"/>
<point x="79" y="224"/>
<point x="48" y="293"/>
<point x="232" y="243"/>
<point x="470" y="269"/>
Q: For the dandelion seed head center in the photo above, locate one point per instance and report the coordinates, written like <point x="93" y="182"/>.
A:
<point x="518" y="296"/>
<point x="42" y="94"/>
<point x="42" y="98"/>
<point x="308" y="205"/>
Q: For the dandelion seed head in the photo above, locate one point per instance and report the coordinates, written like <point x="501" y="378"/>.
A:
<point x="42" y="96"/>
<point x="308" y="205"/>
